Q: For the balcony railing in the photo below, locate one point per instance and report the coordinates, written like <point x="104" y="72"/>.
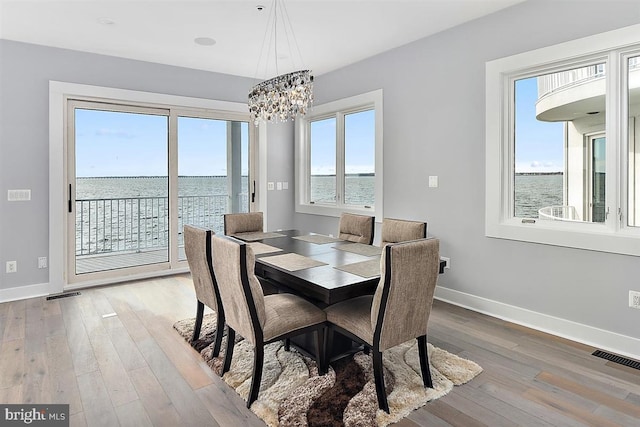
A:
<point x="549" y="83"/>
<point x="559" y="213"/>
<point x="142" y="223"/>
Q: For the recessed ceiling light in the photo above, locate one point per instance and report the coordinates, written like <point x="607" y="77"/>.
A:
<point x="106" y="21"/>
<point x="204" y="41"/>
<point x="259" y="8"/>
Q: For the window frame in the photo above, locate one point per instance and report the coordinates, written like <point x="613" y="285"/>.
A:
<point x="614" y="235"/>
<point x="338" y="109"/>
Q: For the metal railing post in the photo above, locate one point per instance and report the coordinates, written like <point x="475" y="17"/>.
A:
<point x="138" y="224"/>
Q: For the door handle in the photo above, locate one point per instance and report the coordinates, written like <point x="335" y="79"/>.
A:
<point x="253" y="194"/>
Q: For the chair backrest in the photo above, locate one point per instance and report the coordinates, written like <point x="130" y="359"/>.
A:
<point x="356" y="228"/>
<point x="400" y="230"/>
<point x="197" y="246"/>
<point x="243" y="223"/>
<point x="402" y="301"/>
<point x="240" y="291"/>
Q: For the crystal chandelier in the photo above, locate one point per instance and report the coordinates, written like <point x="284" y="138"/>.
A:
<point x="285" y="96"/>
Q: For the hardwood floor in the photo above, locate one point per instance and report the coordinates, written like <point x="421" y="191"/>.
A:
<point x="132" y="368"/>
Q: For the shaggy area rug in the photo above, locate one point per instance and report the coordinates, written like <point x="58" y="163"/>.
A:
<point x="293" y="394"/>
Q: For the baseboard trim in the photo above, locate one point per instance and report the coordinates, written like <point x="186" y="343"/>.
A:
<point x="46" y="289"/>
<point x="599" y="338"/>
<point x="24" y="292"/>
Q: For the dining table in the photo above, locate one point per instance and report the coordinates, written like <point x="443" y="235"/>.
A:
<point x="320" y="268"/>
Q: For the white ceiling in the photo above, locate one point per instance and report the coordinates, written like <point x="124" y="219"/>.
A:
<point x="329" y="33"/>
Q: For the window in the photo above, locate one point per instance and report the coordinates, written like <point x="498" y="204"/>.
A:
<point x="339" y="157"/>
<point x="562" y="163"/>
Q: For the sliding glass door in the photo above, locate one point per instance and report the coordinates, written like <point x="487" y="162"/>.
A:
<point x="213" y="165"/>
<point x="136" y="175"/>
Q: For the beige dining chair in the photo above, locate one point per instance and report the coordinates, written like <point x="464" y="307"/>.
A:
<point x="243" y="223"/>
<point x="356" y="228"/>
<point x="397" y="312"/>
<point x="259" y="319"/>
<point x="197" y="246"/>
<point x="400" y="230"/>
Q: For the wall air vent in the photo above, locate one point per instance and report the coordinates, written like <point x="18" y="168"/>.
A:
<point x="68" y="294"/>
<point x="617" y="359"/>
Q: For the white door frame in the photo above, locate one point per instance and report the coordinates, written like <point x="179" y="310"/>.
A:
<point x="59" y="93"/>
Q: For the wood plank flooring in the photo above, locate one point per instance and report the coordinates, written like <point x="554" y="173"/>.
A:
<point x="133" y="369"/>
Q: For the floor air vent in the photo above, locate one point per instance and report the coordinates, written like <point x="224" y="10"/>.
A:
<point x="71" y="294"/>
<point x="617" y="359"/>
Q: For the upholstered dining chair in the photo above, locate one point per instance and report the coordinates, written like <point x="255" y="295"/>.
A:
<point x="243" y="223"/>
<point x="400" y="230"/>
<point x="259" y="319"/>
<point x="356" y="228"/>
<point x="397" y="312"/>
<point x="197" y="246"/>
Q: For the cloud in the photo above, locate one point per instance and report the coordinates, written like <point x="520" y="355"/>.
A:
<point x="323" y="170"/>
<point x="360" y="169"/>
<point x="536" y="166"/>
<point x="115" y="133"/>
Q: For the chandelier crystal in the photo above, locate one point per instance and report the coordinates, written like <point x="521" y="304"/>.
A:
<point x="285" y="96"/>
<point x="281" y="98"/>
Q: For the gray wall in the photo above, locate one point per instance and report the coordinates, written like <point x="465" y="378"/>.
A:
<point x="280" y="168"/>
<point x="25" y="71"/>
<point x="434" y="124"/>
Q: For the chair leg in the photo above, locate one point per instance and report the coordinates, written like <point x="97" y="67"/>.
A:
<point x="424" y="361"/>
<point x="231" y="338"/>
<point x="287" y="344"/>
<point x="378" y="375"/>
<point x="198" y="324"/>
<point x="217" y="343"/>
<point x="321" y="350"/>
<point x="258" y="359"/>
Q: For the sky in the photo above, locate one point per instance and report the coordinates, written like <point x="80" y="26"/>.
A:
<point x="359" y="144"/>
<point x="129" y="144"/>
<point x="539" y="145"/>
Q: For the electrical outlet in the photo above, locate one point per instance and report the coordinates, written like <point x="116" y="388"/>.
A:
<point x="634" y="299"/>
<point x="447" y="261"/>
<point x="42" y="262"/>
<point x="12" y="266"/>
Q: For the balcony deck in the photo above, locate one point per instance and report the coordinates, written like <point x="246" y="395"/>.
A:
<point x="117" y="260"/>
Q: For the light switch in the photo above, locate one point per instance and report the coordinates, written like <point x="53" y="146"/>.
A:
<point x="433" y="181"/>
<point x="285" y="185"/>
<point x="278" y="186"/>
<point x="18" y="195"/>
<point x="270" y="186"/>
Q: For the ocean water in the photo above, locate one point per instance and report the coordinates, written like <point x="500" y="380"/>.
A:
<point x="128" y="214"/>
<point x="359" y="190"/>
<point x="132" y="213"/>
<point x="533" y="192"/>
<point x="124" y="187"/>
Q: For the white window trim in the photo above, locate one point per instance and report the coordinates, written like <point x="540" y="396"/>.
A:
<point x="302" y="161"/>
<point x="59" y="93"/>
<point x="612" y="236"/>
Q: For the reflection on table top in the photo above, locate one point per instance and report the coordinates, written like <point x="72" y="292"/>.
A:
<point x="324" y="284"/>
